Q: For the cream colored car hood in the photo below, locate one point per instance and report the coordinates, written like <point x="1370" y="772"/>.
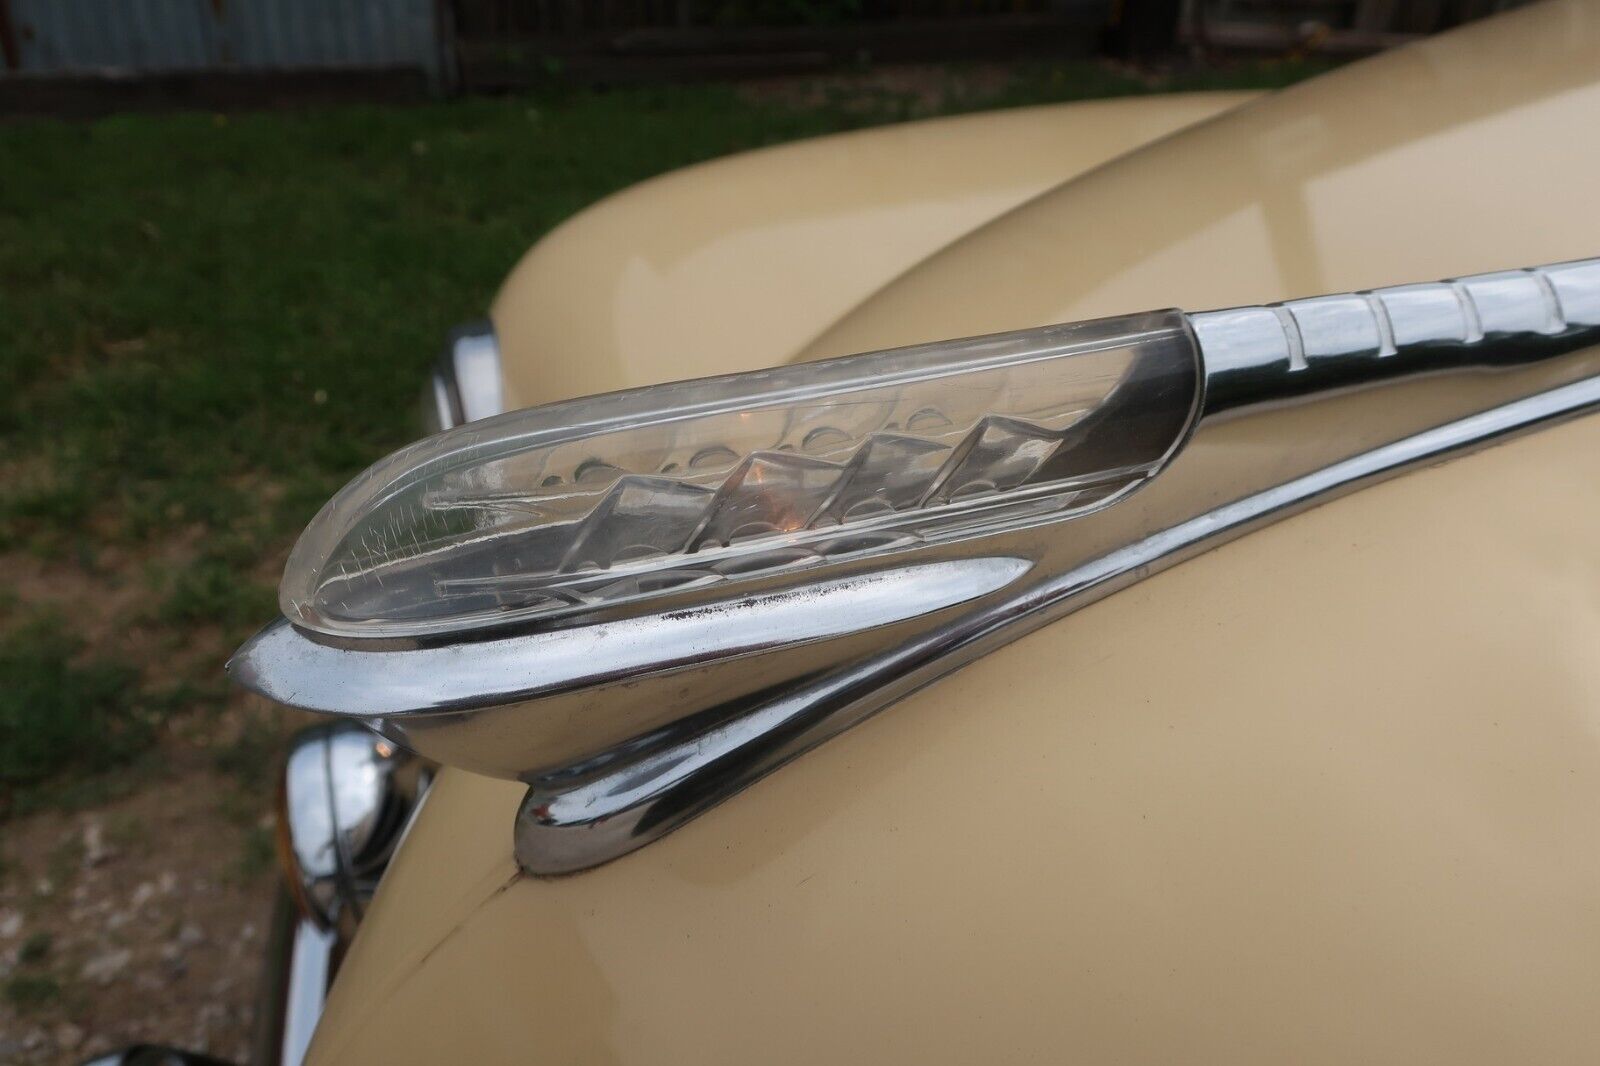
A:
<point x="1328" y="793"/>
<point x="740" y="262"/>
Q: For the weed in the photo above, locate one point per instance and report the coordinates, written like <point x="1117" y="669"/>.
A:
<point x="252" y="756"/>
<point x="258" y="854"/>
<point x="214" y="591"/>
<point x="30" y="991"/>
<point x="61" y="711"/>
<point x="73" y="792"/>
<point x="166" y="700"/>
<point x="35" y="948"/>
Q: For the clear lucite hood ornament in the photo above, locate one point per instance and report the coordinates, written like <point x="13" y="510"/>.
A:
<point x="639" y="603"/>
<point x="608" y="500"/>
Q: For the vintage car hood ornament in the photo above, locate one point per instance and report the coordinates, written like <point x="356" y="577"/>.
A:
<point x="639" y="603"/>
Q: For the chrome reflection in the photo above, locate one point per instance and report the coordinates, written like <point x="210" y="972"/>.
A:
<point x="310" y="973"/>
<point x="588" y="677"/>
<point x="466" y="384"/>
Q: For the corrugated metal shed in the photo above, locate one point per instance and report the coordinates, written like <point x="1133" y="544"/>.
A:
<point x="165" y="36"/>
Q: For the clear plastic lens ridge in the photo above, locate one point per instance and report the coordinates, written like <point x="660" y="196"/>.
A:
<point x="608" y="499"/>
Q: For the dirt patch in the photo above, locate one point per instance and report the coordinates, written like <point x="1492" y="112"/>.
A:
<point x="142" y="920"/>
<point x="100" y="605"/>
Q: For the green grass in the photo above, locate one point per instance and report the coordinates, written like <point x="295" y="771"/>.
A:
<point x="209" y="323"/>
<point x="60" y="710"/>
<point x="35" y="948"/>
<point x="32" y="991"/>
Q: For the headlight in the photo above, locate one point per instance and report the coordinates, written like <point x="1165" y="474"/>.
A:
<point x="345" y="795"/>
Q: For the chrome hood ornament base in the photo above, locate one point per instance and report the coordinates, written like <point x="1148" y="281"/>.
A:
<point x="631" y="719"/>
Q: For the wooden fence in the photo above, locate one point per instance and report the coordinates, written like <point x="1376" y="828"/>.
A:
<point x="556" y="18"/>
<point x="510" y="43"/>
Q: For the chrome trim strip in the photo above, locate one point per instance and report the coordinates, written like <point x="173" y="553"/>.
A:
<point x="419" y="678"/>
<point x="303" y="949"/>
<point x="669" y="711"/>
<point x="310" y="969"/>
<point x="562" y="831"/>
<point x="479" y="387"/>
<point x="438" y="405"/>
<point x="294" y="985"/>
<point x="301" y="960"/>
<point x="466" y="383"/>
